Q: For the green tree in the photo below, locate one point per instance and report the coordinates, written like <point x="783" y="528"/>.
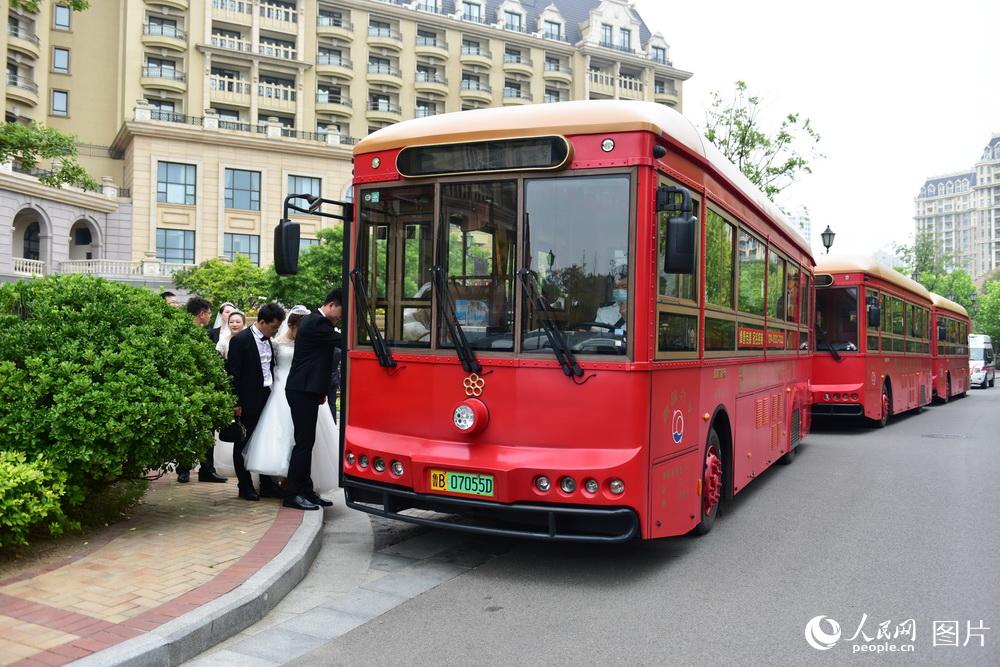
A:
<point x="922" y="259"/>
<point x="36" y="5"/>
<point x="28" y="145"/>
<point x="988" y="311"/>
<point x="320" y="270"/>
<point x="241" y="282"/>
<point x="771" y="159"/>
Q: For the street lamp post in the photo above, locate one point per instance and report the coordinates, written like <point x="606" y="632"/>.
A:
<point x="827" y="237"/>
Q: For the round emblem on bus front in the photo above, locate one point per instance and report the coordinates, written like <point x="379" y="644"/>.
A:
<point x="376" y="162"/>
<point x="474" y="385"/>
<point x="608" y="145"/>
<point x="677" y="426"/>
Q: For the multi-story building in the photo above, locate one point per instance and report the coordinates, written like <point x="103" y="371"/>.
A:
<point x="201" y="115"/>
<point x="801" y="222"/>
<point x="960" y="211"/>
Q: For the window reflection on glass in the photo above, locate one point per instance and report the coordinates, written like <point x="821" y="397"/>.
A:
<point x="576" y="241"/>
<point x="792" y="292"/>
<point x="720" y="335"/>
<point x="719" y="236"/>
<point x="679" y="286"/>
<point x="775" y="283"/>
<point x="395" y="255"/>
<point x="678" y="333"/>
<point x="837" y="319"/>
<point x="751" y="289"/>
<point x="479" y="222"/>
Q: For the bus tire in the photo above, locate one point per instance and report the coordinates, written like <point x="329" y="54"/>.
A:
<point x="788" y="456"/>
<point x="711" y="483"/>
<point x="886" y="407"/>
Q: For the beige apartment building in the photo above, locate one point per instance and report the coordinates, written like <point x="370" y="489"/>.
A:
<point x="199" y="116"/>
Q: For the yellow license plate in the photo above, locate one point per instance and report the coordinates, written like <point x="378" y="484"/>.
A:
<point x="462" y="482"/>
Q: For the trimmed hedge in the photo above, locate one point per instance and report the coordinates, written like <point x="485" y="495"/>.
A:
<point x="105" y="380"/>
<point x="31" y="494"/>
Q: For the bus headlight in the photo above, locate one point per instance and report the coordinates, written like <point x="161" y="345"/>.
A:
<point x="363" y="461"/>
<point x="379" y="464"/>
<point x="470" y="416"/>
<point x="350" y="458"/>
<point x="567" y="484"/>
<point x="397" y="468"/>
<point x="542" y="483"/>
<point x="591" y="485"/>
<point x="464" y="417"/>
<point x="616" y="486"/>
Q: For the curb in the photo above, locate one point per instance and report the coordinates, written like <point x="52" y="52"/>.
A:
<point x="200" y="629"/>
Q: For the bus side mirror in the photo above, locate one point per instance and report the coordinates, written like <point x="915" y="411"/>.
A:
<point x="874" y="317"/>
<point x="286" y="248"/>
<point x="679" y="255"/>
<point x="942" y="331"/>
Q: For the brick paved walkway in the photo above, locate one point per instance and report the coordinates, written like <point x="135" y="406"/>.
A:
<point x="191" y="544"/>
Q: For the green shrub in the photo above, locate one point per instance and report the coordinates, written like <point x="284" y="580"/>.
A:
<point x="105" y="380"/>
<point x="30" y="498"/>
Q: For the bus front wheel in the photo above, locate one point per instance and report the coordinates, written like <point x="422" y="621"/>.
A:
<point x="711" y="484"/>
<point x="885" y="407"/>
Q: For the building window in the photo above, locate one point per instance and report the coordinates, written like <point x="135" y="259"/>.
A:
<point x="305" y="244"/>
<point x="605" y="34"/>
<point x="552" y="64"/>
<point x="470" y="81"/>
<point x="161" y="26"/>
<point x="379" y="29"/>
<point x="425" y="108"/>
<point x="61" y="20"/>
<point x="626" y="39"/>
<point x="243" y="189"/>
<point x="471" y="12"/>
<point x="60" y="103"/>
<point x="247" y="245"/>
<point x="426" y="38"/>
<point x="660" y="54"/>
<point x="511" y="55"/>
<point x="175" y="183"/>
<point x="330" y="18"/>
<point x="175" y="246"/>
<point x="304" y="185"/>
<point x="512" y="21"/>
<point x="32" y="244"/>
<point x="60" y="60"/>
<point x="552" y="95"/>
<point x="552" y="30"/>
<point x="161" y="110"/>
<point x="160" y="68"/>
<point x="378" y="102"/>
<point x="511" y="89"/>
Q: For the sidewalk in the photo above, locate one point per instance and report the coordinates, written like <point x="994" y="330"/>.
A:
<point x="167" y="574"/>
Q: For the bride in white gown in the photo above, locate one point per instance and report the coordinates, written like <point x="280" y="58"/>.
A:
<point x="270" y="446"/>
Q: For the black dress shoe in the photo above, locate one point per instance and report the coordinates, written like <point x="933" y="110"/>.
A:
<point x="249" y="495"/>
<point x="316" y="500"/>
<point x="211" y="477"/>
<point x="299" y="503"/>
<point x="183" y="476"/>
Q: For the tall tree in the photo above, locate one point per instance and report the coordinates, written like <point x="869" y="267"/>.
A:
<point x="771" y="159"/>
<point x="241" y="282"/>
<point x="988" y="307"/>
<point x="28" y="145"/>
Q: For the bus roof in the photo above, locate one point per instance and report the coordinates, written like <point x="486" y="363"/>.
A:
<point x="947" y="304"/>
<point x="864" y="264"/>
<point x="569" y="118"/>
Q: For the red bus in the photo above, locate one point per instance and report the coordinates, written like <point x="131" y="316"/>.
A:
<point x="950" y="348"/>
<point x="572" y="321"/>
<point x="873" y="341"/>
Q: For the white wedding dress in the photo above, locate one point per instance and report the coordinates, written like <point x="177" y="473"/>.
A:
<point x="270" y="446"/>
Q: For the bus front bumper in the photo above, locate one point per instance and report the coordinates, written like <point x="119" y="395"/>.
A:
<point x="524" y="520"/>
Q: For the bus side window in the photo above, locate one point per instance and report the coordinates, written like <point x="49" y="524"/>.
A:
<point x="677" y="301"/>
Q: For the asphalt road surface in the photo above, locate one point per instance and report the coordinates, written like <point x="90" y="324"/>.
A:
<point x="897" y="527"/>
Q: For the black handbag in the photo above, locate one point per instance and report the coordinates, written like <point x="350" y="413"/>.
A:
<point x="235" y="432"/>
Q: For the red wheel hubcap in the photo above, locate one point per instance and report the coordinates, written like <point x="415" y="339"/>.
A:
<point x="885" y="406"/>
<point x="713" y="482"/>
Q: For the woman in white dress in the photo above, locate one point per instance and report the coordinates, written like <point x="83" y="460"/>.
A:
<point x="270" y="446"/>
<point x="234" y="324"/>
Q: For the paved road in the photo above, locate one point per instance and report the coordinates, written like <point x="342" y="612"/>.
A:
<point x="895" y="524"/>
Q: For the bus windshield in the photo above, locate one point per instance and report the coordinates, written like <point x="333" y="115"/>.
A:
<point x="570" y="232"/>
<point x="837" y="319"/>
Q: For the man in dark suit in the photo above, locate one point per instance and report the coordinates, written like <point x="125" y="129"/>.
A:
<point x="306" y="390"/>
<point x="251" y="365"/>
<point x="200" y="310"/>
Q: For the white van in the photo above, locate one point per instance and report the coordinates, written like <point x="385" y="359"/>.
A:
<point x="982" y="361"/>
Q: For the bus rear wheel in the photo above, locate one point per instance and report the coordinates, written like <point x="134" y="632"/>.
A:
<point x="711" y="484"/>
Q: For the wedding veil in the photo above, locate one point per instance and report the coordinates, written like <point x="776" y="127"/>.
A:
<point x="295" y="310"/>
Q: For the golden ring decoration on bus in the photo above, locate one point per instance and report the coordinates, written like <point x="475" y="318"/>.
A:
<point x="474" y="385"/>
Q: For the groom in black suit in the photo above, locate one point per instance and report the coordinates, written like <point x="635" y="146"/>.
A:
<point x="306" y="390"/>
<point x="251" y="365"/>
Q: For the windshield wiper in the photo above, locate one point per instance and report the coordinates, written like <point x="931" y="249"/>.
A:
<point x="559" y="347"/>
<point x="446" y="310"/>
<point x="368" y="317"/>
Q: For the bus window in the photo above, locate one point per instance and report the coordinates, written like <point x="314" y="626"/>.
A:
<point x="751" y="276"/>
<point x="792" y="293"/>
<point x="775" y="287"/>
<point x="479" y="233"/>
<point x="837" y="319"/>
<point x="582" y="268"/>
<point x="871" y="299"/>
<point x="719" y="240"/>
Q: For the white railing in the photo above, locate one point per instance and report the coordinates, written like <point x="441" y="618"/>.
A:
<point x="228" y="84"/>
<point x="277" y="50"/>
<point x="223" y="42"/>
<point x="101" y="267"/>
<point x="276" y="91"/>
<point x="278" y="13"/>
<point x="29" y="267"/>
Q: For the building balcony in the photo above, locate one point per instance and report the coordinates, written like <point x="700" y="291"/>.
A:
<point x="431" y="83"/>
<point x="668" y="96"/>
<point x="426" y="112"/>
<point x="339" y="105"/>
<point x="337" y="66"/>
<point x="518" y="64"/>
<point x="432" y="48"/>
<point x="279" y="18"/>
<point x="276" y="97"/>
<point x="230" y="91"/>
<point x="513" y="97"/>
<point x="514" y="27"/>
<point x="272" y="50"/>
<point x="28" y="267"/>
<point x="381" y="112"/>
<point x="602" y="83"/>
<point x="239" y="12"/>
<point x="389" y="76"/>
<point x="327" y="26"/>
<point x="176" y="4"/>
<point x="429" y="6"/>
<point x="621" y="48"/>
<point x="474" y="56"/>
<point x="630" y="88"/>
<point x="163" y="78"/>
<point x="164" y="37"/>
<point x="385" y="38"/>
<point x="22" y="89"/>
<point x="232" y="44"/>
<point x="21" y="40"/>
<point x="562" y="73"/>
<point x="471" y="90"/>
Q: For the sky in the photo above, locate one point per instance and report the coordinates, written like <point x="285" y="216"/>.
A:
<point x="898" y="90"/>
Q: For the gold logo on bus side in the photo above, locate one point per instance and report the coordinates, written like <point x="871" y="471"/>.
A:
<point x="474" y="385"/>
